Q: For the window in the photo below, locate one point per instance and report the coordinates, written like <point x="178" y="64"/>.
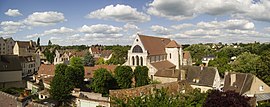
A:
<point x="137" y="60"/>
<point x="137" y="49"/>
<point x="170" y="56"/>
<point x="261" y="88"/>
<point x="141" y="61"/>
<point x="133" y="60"/>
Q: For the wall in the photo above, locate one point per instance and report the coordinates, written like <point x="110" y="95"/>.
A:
<point x="10" y="76"/>
<point x="165" y="79"/>
<point x="202" y="88"/>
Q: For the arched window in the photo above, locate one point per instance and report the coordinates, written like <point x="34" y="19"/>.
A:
<point x="133" y="60"/>
<point x="141" y="61"/>
<point x="137" y="49"/>
<point x="137" y="60"/>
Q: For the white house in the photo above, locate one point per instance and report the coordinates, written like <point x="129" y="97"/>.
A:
<point x="156" y="53"/>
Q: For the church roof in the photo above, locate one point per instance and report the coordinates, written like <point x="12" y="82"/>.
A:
<point x="154" y="45"/>
<point x="163" y="65"/>
<point x="173" y="44"/>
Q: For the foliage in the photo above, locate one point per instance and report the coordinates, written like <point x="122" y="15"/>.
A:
<point x="141" y="76"/>
<point x="103" y="81"/>
<point x="12" y="90"/>
<point x="100" y="61"/>
<point x="198" y="51"/>
<point x="226" y="99"/>
<point x="75" y="75"/>
<point x="60" y="69"/>
<point x="76" y="61"/>
<point x="123" y="76"/>
<point x="161" y="98"/>
<point x="60" y="88"/>
<point x="154" y="82"/>
<point x="49" y="43"/>
<point x="49" y="55"/>
<point x="119" y="55"/>
<point x="222" y="64"/>
<point x="246" y="63"/>
<point x="88" y="59"/>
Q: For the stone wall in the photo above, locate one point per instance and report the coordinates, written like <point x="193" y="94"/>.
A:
<point x="173" y="87"/>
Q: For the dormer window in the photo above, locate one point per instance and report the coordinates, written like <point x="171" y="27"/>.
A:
<point x="261" y="88"/>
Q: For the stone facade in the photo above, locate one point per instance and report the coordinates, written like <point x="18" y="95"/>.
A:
<point x="6" y="46"/>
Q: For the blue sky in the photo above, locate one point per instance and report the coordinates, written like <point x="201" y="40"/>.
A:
<point x="70" y="22"/>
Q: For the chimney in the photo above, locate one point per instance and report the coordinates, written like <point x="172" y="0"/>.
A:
<point x="233" y="79"/>
<point x="201" y="66"/>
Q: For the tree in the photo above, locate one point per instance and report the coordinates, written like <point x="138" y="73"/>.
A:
<point x="60" y="69"/>
<point x="221" y="64"/>
<point x="100" y="61"/>
<point x="76" y="71"/>
<point x="141" y="76"/>
<point x="49" y="43"/>
<point x="49" y="55"/>
<point x="60" y="88"/>
<point x="247" y="63"/>
<point x="103" y="81"/>
<point x="38" y="42"/>
<point x="198" y="51"/>
<point x="76" y="61"/>
<point x="119" y="55"/>
<point x="88" y="60"/>
<point x="123" y="76"/>
<point x="226" y="99"/>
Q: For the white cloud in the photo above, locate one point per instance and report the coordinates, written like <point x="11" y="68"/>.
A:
<point x="202" y="32"/>
<point x="130" y="26"/>
<point x="13" y="12"/>
<point x="10" y="27"/>
<point x="267" y="29"/>
<point x="120" y="13"/>
<point x="44" y="18"/>
<point x="184" y="9"/>
<point x="100" y="28"/>
<point x="160" y="30"/>
<point x="33" y="35"/>
<point x="228" y="24"/>
<point x="182" y="26"/>
<point x="60" y="31"/>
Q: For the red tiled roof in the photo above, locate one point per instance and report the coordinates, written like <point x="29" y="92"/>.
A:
<point x="163" y="65"/>
<point x="173" y="44"/>
<point x="47" y="69"/>
<point x="154" y="45"/>
<point x="186" y="55"/>
<point x="89" y="71"/>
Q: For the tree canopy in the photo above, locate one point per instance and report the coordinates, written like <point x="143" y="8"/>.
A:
<point x="88" y="59"/>
<point x="141" y="76"/>
<point x="123" y="76"/>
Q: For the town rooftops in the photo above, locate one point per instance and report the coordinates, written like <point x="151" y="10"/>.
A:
<point x="154" y="45"/>
<point x="238" y="82"/>
<point x="163" y="65"/>
<point x="10" y="63"/>
<point x="169" y="73"/>
<point x="46" y="69"/>
<point x="186" y="55"/>
<point x="26" y="44"/>
<point x="89" y="71"/>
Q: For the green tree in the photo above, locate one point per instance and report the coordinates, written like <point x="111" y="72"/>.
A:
<point x="49" y="43"/>
<point x="76" y="61"/>
<point x="100" y="61"/>
<point x="103" y="81"/>
<point x="49" y="55"/>
<point x="119" y="55"/>
<point x="141" y="76"/>
<point x="60" y="69"/>
<point x="88" y="59"/>
<point x="76" y="71"/>
<point x="123" y="76"/>
<point x="247" y="63"/>
<point x="38" y="42"/>
<point x="222" y="64"/>
<point x="198" y="51"/>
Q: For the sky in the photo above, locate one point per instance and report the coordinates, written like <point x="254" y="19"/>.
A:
<point x="111" y="22"/>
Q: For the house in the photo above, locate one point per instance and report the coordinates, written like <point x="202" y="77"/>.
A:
<point x="89" y="71"/>
<point x="204" y="78"/>
<point x="246" y="84"/>
<point x="61" y="57"/>
<point x="206" y="59"/>
<point x="156" y="53"/>
<point x="24" y="48"/>
<point x="87" y="99"/>
<point x="28" y="65"/>
<point x="187" y="59"/>
<point x="6" y="46"/>
<point x="10" y="71"/>
<point x="99" y="52"/>
<point x="40" y="51"/>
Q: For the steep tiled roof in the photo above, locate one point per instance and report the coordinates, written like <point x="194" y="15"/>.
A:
<point x="205" y="76"/>
<point x="173" y="44"/>
<point x="26" y="44"/>
<point x="47" y="69"/>
<point x="170" y="73"/>
<point x="238" y="82"/>
<point x="154" y="45"/>
<point x="7" y="100"/>
<point x="10" y="63"/>
<point x="163" y="65"/>
<point x="89" y="71"/>
<point x="106" y="53"/>
<point x="95" y="50"/>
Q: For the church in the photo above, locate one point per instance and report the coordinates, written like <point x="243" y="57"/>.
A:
<point x="157" y="53"/>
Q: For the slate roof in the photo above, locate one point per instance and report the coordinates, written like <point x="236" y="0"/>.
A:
<point x="154" y="45"/>
<point x="173" y="44"/>
<point x="10" y="63"/>
<point x="161" y="65"/>
<point x="238" y="82"/>
<point x="205" y="75"/>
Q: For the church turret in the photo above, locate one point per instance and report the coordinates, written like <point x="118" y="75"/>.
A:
<point x="174" y="53"/>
